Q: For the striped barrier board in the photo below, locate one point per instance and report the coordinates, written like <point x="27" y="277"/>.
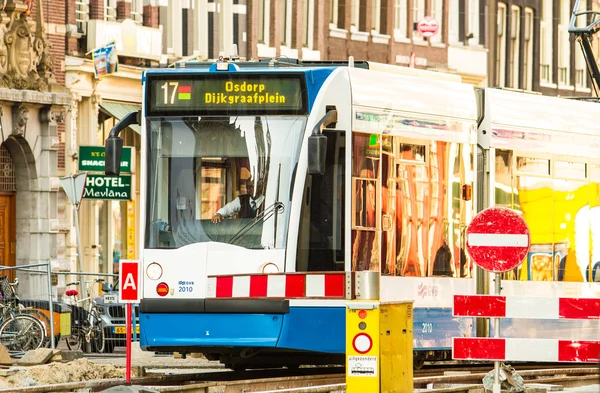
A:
<point x="526" y="307"/>
<point x="525" y="349"/>
<point x="282" y="286"/>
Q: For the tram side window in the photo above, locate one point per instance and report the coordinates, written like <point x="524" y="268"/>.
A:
<point x="366" y="155"/>
<point x="506" y="193"/>
<point x="321" y="234"/>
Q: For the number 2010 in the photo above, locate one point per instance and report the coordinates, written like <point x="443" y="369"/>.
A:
<point x="427" y="327"/>
<point x="185" y="289"/>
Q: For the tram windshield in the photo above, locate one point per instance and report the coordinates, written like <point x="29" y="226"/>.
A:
<point x="221" y="179"/>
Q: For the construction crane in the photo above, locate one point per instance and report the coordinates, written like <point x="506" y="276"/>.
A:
<point x="584" y="36"/>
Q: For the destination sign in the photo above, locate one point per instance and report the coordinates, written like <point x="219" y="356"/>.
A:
<point x="227" y="93"/>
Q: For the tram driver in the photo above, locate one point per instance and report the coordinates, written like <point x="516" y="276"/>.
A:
<point x="244" y="205"/>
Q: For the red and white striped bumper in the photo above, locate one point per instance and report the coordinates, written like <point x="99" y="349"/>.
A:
<point x="288" y="286"/>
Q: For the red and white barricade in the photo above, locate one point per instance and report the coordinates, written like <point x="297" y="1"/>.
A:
<point x="525" y="349"/>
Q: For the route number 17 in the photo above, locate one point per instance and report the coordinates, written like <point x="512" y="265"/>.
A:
<point x="166" y="87"/>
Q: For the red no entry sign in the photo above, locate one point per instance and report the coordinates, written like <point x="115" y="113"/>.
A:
<point x="498" y="239"/>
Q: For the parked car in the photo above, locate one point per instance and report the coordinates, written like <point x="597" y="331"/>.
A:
<point x="112" y="314"/>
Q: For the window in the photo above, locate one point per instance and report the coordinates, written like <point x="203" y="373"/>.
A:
<point x="358" y="15"/>
<point x="308" y="15"/>
<point x="515" y="40"/>
<point x="283" y="23"/>
<point x="581" y="77"/>
<point x="262" y="14"/>
<point x="137" y="10"/>
<point x="376" y="16"/>
<point x="418" y="14"/>
<point x="528" y="50"/>
<point x="82" y="15"/>
<point x="501" y="46"/>
<point x="401" y="19"/>
<point x="473" y="22"/>
<point x="453" y="21"/>
<point x="570" y="170"/>
<point x="338" y="9"/>
<point x="438" y="15"/>
<point x="110" y="10"/>
<point x="533" y="165"/>
<point x="564" y="43"/>
<point x="546" y="42"/>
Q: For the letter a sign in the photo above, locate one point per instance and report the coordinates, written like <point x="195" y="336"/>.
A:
<point x="129" y="280"/>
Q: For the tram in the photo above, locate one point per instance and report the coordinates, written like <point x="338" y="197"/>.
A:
<point x="266" y="185"/>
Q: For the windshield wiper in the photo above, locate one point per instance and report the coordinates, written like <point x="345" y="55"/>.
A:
<point x="267" y="213"/>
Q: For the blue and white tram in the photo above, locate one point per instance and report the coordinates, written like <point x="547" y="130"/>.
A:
<point x="352" y="167"/>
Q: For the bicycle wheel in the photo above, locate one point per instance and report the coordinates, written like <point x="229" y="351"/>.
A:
<point x="22" y="333"/>
<point x="43" y="318"/>
<point x="97" y="334"/>
<point x="75" y="340"/>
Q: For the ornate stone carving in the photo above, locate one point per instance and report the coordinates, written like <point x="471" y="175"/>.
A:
<point x="20" y="118"/>
<point x="26" y="58"/>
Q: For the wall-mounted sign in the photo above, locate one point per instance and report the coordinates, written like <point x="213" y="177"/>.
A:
<point x="91" y="159"/>
<point x="106" y="61"/>
<point x="108" y="187"/>
<point x="428" y="26"/>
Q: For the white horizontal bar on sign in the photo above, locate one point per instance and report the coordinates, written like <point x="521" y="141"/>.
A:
<point x="532" y="350"/>
<point x="497" y="240"/>
<point x="532" y="307"/>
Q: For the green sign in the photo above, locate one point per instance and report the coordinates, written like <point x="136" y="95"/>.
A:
<point x="108" y="187"/>
<point x="91" y="159"/>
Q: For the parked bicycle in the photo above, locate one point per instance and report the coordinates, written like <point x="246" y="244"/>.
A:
<point x="19" y="331"/>
<point x="87" y="333"/>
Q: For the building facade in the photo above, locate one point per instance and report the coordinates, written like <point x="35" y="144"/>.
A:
<point x="33" y="104"/>
<point x="533" y="49"/>
<point x="109" y="227"/>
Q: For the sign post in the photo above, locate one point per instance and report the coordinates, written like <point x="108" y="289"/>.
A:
<point x="73" y="186"/>
<point x="129" y="280"/>
<point x="498" y="240"/>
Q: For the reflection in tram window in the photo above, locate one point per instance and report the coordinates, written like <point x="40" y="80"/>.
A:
<point x="366" y="152"/>
<point x="422" y="204"/>
<point x="570" y="170"/>
<point x="563" y="217"/>
<point x="533" y="165"/>
<point x="506" y="194"/>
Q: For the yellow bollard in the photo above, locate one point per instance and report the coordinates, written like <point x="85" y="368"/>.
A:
<point x="379" y="341"/>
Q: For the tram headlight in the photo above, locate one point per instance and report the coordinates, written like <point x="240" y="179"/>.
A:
<point x="154" y="271"/>
<point x="269" y="268"/>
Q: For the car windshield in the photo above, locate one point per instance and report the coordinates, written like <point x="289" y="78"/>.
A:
<point x="240" y="167"/>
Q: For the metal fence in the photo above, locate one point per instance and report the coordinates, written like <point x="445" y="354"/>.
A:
<point x="110" y="313"/>
<point x="84" y="316"/>
<point x="33" y="289"/>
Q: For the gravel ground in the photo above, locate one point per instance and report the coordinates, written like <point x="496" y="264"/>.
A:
<point x="152" y="362"/>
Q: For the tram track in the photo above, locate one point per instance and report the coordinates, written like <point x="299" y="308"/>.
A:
<point x="320" y="379"/>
